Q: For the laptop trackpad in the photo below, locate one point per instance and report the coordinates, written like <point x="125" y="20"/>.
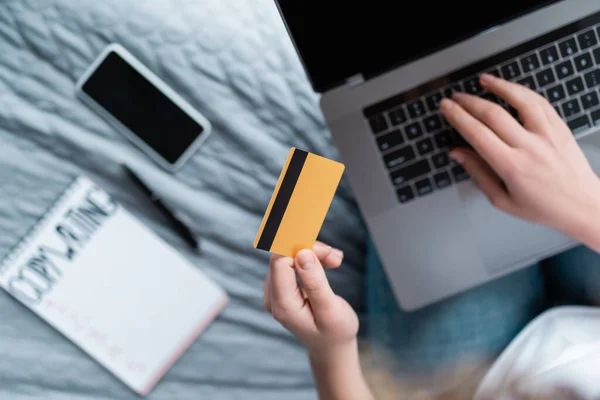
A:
<point x="504" y="240"/>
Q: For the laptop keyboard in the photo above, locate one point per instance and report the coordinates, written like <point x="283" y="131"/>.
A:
<point x="414" y="139"/>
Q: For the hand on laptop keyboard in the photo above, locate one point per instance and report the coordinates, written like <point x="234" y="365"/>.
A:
<point x="535" y="171"/>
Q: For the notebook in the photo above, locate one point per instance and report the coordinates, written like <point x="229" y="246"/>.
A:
<point x="111" y="286"/>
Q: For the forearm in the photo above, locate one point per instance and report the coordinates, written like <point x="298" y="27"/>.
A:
<point x="338" y="375"/>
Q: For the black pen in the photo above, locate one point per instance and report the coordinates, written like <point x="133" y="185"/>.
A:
<point x="179" y="226"/>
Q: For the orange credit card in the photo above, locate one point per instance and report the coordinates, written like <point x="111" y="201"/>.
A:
<point x="299" y="203"/>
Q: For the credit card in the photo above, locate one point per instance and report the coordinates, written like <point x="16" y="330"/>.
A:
<point x="299" y="204"/>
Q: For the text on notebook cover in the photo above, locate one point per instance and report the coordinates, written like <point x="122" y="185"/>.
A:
<point x="40" y="273"/>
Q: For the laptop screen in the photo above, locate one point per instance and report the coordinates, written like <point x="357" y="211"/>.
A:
<point x="337" y="40"/>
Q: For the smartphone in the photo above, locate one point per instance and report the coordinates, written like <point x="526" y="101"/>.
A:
<point x="144" y="108"/>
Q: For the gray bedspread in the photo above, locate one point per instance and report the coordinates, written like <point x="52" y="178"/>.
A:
<point x="234" y="62"/>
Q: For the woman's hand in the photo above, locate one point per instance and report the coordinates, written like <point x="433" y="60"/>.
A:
<point x="535" y="171"/>
<point x="324" y="322"/>
<point x="311" y="311"/>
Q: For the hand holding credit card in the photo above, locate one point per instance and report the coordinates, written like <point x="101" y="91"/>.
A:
<point x="299" y="203"/>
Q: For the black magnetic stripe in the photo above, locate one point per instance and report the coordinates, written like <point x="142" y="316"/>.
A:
<point x="282" y="200"/>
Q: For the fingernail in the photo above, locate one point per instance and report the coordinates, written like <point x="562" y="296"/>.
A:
<point x="337" y="253"/>
<point x="487" y="79"/>
<point x="446" y="104"/>
<point x="306" y="259"/>
<point x="458" y="157"/>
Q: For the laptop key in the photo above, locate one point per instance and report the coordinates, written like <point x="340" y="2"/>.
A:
<point x="452" y="89"/>
<point x="460" y="142"/>
<point x="424" y="146"/>
<point x="490" y="97"/>
<point x="597" y="55"/>
<point x="378" y="123"/>
<point x="575" y="86"/>
<point x="494" y="72"/>
<point x="564" y="69"/>
<point x="592" y="78"/>
<point x="442" y="180"/>
<point x="459" y="174"/>
<point x="579" y="124"/>
<point x="556" y="93"/>
<point x="549" y="55"/>
<point x="440" y="160"/>
<point x="397" y="116"/>
<point x="511" y="70"/>
<point x="413" y="131"/>
<point x="411" y="172"/>
<point x="405" y="194"/>
<point x="528" y="82"/>
<point x="424" y="187"/>
<point x="390" y="140"/>
<point x="596" y="117"/>
<point x="568" y="47"/>
<point x="590" y="100"/>
<point x="583" y="61"/>
<point x="571" y="108"/>
<point x="443" y="140"/>
<point x="587" y="39"/>
<point x="530" y="63"/>
<point x="433" y="101"/>
<point x="416" y="109"/>
<point x="545" y="77"/>
<point x="432" y="123"/>
<point x="399" y="157"/>
<point x="472" y="86"/>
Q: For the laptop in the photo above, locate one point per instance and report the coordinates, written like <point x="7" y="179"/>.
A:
<point x="381" y="70"/>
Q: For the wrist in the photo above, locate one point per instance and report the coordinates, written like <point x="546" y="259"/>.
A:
<point x="332" y="356"/>
<point x="586" y="227"/>
<point x="338" y="374"/>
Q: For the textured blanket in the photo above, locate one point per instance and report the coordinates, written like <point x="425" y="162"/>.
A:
<point x="233" y="60"/>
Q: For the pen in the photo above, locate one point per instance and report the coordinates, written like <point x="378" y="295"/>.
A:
<point x="179" y="226"/>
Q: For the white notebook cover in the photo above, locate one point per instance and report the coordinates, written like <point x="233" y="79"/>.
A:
<point x="111" y="286"/>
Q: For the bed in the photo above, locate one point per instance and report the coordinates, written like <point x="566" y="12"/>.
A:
<point x="234" y="62"/>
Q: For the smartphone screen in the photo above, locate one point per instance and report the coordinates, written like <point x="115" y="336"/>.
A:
<point x="141" y="107"/>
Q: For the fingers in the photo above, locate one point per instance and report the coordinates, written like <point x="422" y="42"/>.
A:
<point x="533" y="109"/>
<point x="315" y="284"/>
<point x="485" y="142"/>
<point x="484" y="177"/>
<point x="284" y="290"/>
<point x="286" y="301"/>
<point x="329" y="256"/>
<point x="495" y="117"/>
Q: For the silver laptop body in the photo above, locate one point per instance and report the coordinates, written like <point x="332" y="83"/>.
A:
<point x="445" y="237"/>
